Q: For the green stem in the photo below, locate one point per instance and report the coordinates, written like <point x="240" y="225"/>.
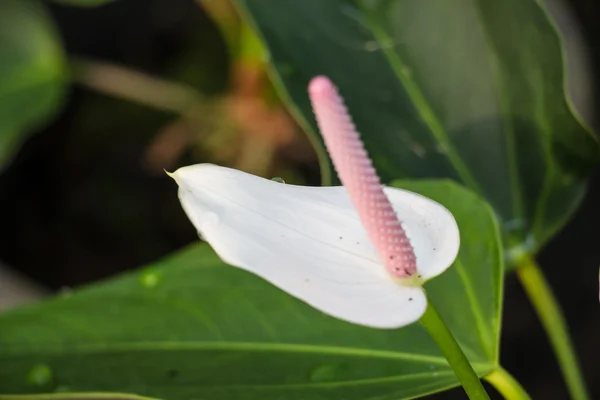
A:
<point x="507" y="385"/>
<point x="433" y="323"/>
<point x="550" y="314"/>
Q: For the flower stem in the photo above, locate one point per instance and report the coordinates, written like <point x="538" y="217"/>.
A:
<point x="433" y="323"/>
<point x="550" y="314"/>
<point x="507" y="385"/>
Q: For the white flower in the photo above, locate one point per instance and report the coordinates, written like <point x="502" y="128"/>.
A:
<point x="309" y="241"/>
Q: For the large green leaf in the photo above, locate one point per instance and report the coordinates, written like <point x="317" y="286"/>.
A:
<point x="191" y="327"/>
<point x="32" y="72"/>
<point x="470" y="90"/>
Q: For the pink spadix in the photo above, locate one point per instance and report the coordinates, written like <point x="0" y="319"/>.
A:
<point x="356" y="171"/>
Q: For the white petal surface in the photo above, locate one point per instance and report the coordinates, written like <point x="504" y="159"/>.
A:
<point x="309" y="241"/>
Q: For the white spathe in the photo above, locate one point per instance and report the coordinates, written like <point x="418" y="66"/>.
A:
<point x="309" y="242"/>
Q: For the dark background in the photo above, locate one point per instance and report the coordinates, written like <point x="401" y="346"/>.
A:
<point x="78" y="203"/>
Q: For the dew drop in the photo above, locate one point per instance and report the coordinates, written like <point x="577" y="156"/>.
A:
<point x="324" y="373"/>
<point x="278" y="179"/>
<point x="40" y="375"/>
<point x="150" y="278"/>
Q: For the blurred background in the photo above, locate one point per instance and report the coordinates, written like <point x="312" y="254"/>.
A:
<point x="166" y="83"/>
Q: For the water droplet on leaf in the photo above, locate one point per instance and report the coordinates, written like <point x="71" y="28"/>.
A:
<point x="150" y="278"/>
<point x="40" y="375"/>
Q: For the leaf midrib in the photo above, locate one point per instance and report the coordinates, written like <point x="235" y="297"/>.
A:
<point x="289" y="386"/>
<point x="144" y="346"/>
<point x="481" y="368"/>
<point x="149" y="346"/>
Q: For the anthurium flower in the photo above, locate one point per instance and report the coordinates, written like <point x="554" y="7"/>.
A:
<point x="358" y="253"/>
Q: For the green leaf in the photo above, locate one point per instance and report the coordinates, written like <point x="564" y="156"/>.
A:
<point x="191" y="327"/>
<point x="470" y="90"/>
<point x="32" y="72"/>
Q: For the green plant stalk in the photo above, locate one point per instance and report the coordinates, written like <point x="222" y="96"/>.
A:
<point x="507" y="385"/>
<point x="550" y="314"/>
<point x="433" y="323"/>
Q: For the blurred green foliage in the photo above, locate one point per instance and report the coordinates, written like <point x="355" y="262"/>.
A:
<point x="33" y="72"/>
